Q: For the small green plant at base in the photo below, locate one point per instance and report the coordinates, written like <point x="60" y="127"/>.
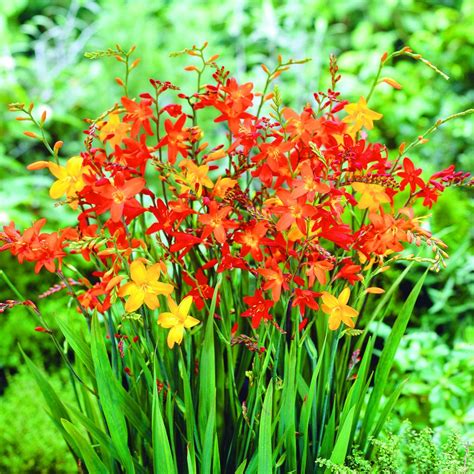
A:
<point x="409" y="451"/>
<point x="29" y="441"/>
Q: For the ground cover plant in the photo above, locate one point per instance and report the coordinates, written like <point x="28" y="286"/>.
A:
<point x="225" y="290"/>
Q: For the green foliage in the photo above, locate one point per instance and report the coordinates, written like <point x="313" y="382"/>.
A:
<point x="439" y="377"/>
<point x="410" y="451"/>
<point x="29" y="441"/>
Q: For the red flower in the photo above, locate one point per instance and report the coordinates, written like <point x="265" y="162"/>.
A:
<point x="200" y="288"/>
<point x="305" y="299"/>
<point x="429" y="195"/>
<point x="166" y="217"/>
<point x="410" y="176"/>
<point x="350" y="271"/>
<point x="184" y="241"/>
<point x="118" y="197"/>
<point x="258" y="308"/>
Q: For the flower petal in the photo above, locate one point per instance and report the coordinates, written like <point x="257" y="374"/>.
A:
<point x="127" y="289"/>
<point x="58" y="189"/>
<point x="135" y="300"/>
<point x="175" y="335"/>
<point x="190" y="322"/>
<point x="185" y="305"/>
<point x="344" y="296"/>
<point x="334" y="322"/>
<point x="153" y="272"/>
<point x="151" y="300"/>
<point x="329" y="300"/>
<point x="138" y="272"/>
<point x="74" y="166"/>
<point x="167" y="320"/>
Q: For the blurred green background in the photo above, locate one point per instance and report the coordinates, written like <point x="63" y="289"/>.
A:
<point x="42" y="60"/>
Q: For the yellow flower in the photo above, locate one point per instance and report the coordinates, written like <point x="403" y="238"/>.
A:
<point x="70" y="178"/>
<point x="195" y="175"/>
<point x="144" y="287"/>
<point x="372" y="196"/>
<point x="338" y="310"/>
<point x="177" y="320"/>
<point x="360" y="116"/>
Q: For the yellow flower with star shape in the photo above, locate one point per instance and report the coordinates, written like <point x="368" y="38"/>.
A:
<point x="177" y="320"/>
<point x="144" y="287"/>
<point x="338" y="310"/>
<point x="372" y="196"/>
<point x="360" y="116"/>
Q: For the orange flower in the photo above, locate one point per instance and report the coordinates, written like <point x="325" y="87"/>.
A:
<point x="275" y="281"/>
<point x="114" y="131"/>
<point x="251" y="238"/>
<point x="138" y="114"/>
<point x="176" y="138"/>
<point x="215" y="222"/>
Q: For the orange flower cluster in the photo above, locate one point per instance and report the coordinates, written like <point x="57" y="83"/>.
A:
<point x="299" y="200"/>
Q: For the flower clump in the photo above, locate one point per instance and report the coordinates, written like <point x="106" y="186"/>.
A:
<point x="300" y="202"/>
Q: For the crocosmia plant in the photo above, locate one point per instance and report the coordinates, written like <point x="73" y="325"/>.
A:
<point x="227" y="265"/>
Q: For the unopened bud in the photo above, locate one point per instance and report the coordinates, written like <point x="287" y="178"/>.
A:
<point x="374" y="290"/>
<point x="135" y="63"/>
<point x="57" y="146"/>
<point x="391" y="82"/>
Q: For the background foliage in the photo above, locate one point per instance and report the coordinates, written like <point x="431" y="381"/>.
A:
<point x="42" y="59"/>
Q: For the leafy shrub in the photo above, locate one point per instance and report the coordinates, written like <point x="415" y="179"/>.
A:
<point x="410" y="452"/>
<point x="438" y="379"/>
<point x="29" y="440"/>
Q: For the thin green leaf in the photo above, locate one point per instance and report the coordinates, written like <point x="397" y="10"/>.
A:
<point x="386" y="360"/>
<point x="93" y="463"/>
<point x="162" y="457"/>
<point x="207" y="448"/>
<point x="339" y="452"/>
<point x="264" y="453"/>
<point x="76" y="341"/>
<point x="110" y="399"/>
